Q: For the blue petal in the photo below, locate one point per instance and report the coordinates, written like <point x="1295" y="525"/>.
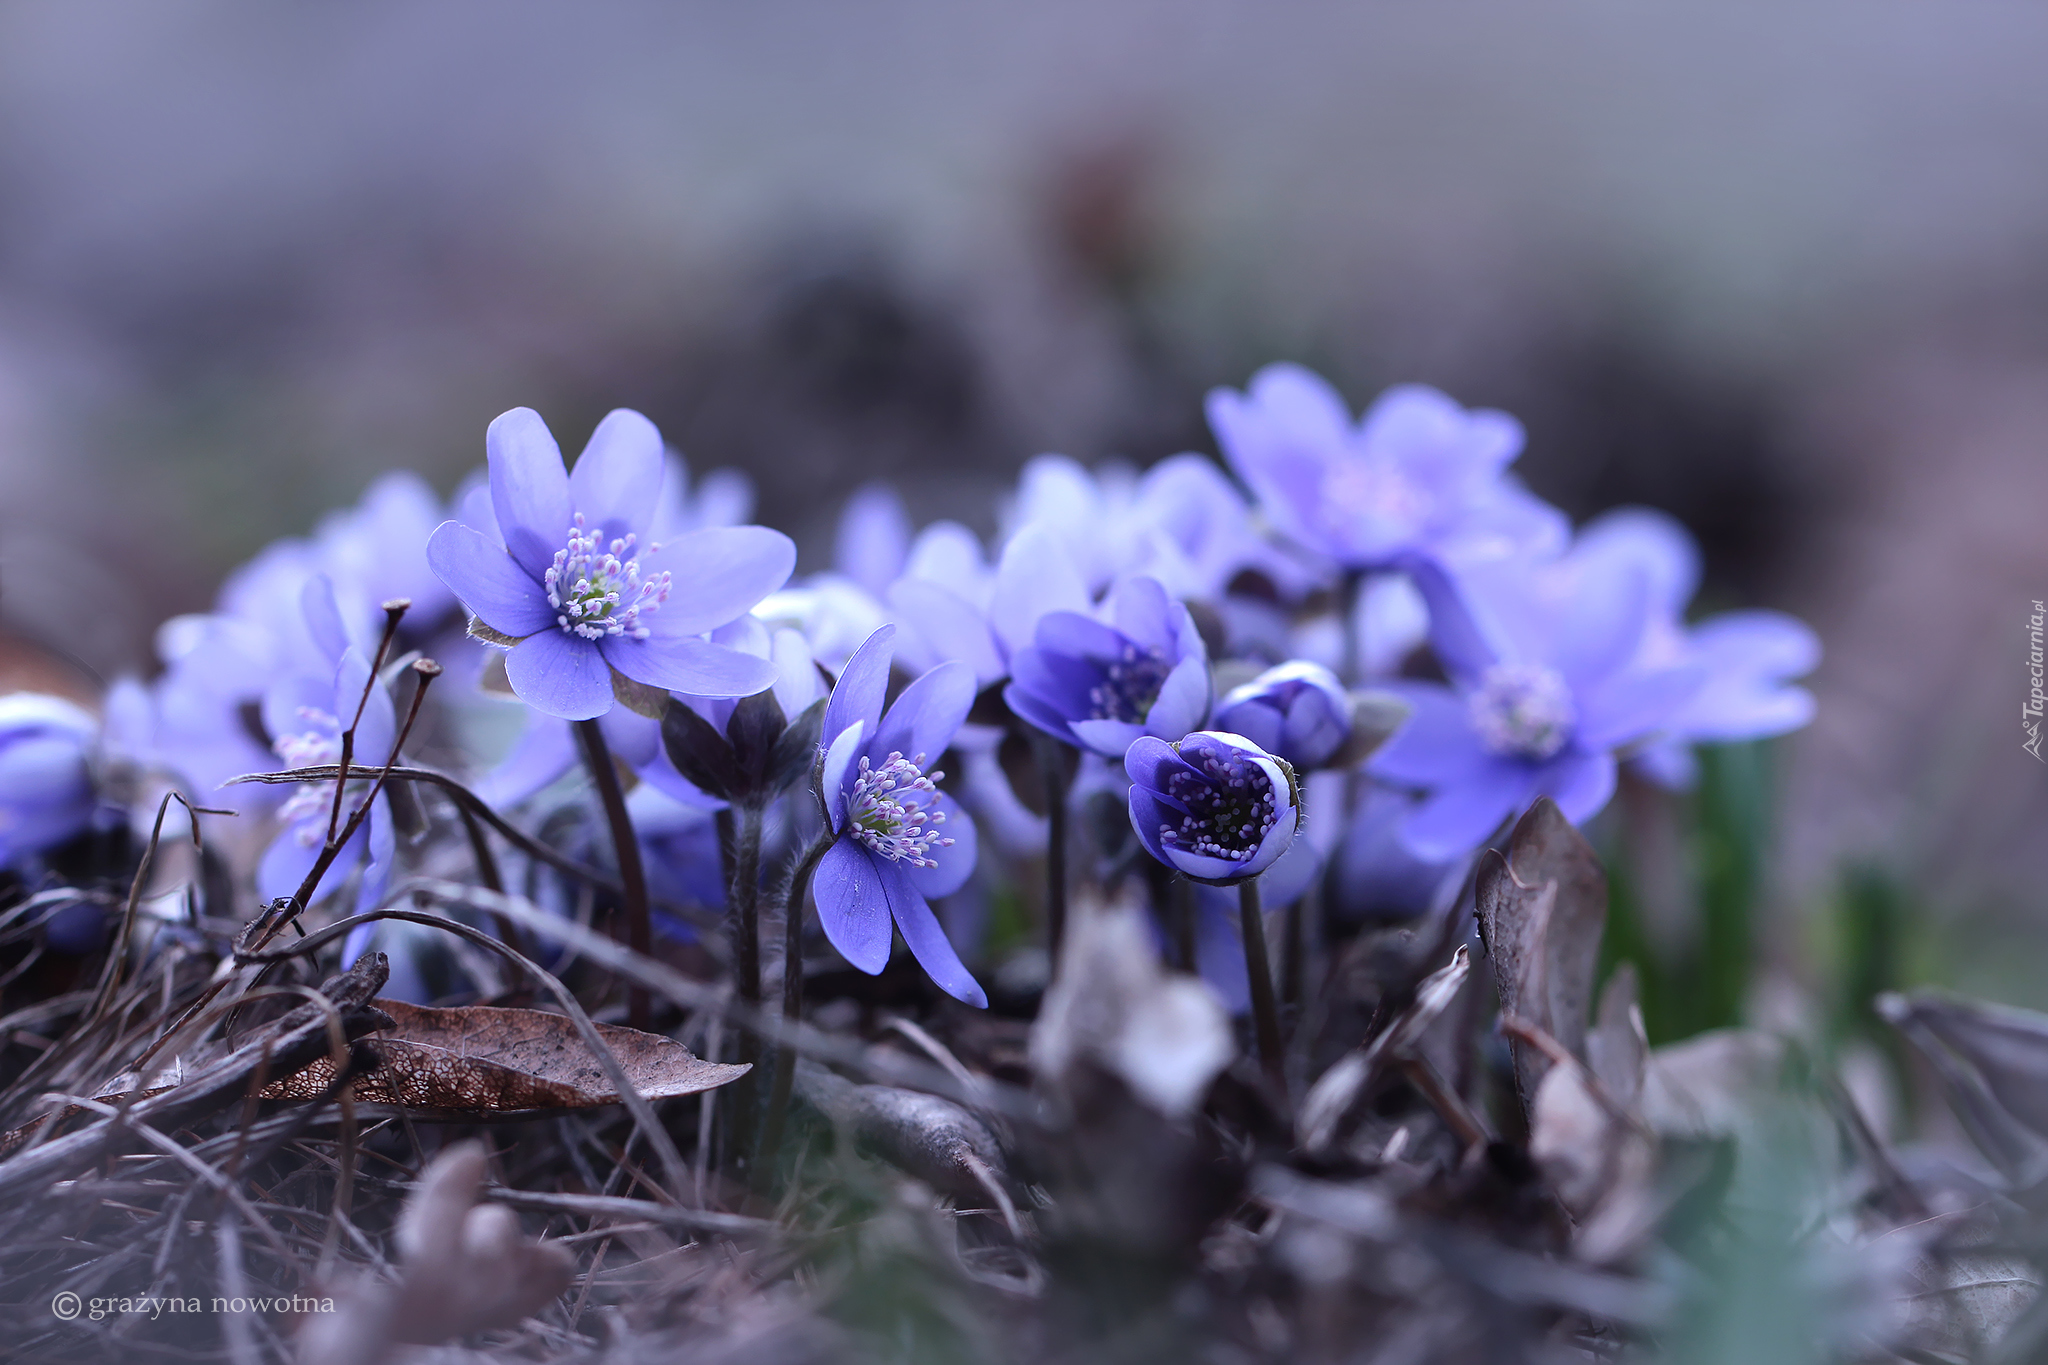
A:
<point x="1434" y="744"/>
<point x="383" y="852"/>
<point x="1580" y="782"/>
<point x="1184" y="699"/>
<point x="1602" y="627"/>
<point x="681" y="663"/>
<point x="543" y="752"/>
<point x="286" y="862"/>
<point x="1150" y="762"/>
<point x="950" y="626"/>
<point x="1458" y="817"/>
<point x="1078" y="636"/>
<point x="323" y="617"/>
<point x="616" y="483"/>
<point x="955" y="862"/>
<point x="928" y="942"/>
<point x="720" y="573"/>
<point x="529" y="489"/>
<point x="924" y="719"/>
<point x="1635" y="706"/>
<point x="485" y="579"/>
<point x="1062" y="683"/>
<point x="839" y="759"/>
<point x="852" y="906"/>
<point x="1462" y="639"/>
<point x="558" y="674"/>
<point x="1031" y="708"/>
<point x="1147" y="815"/>
<point x="857" y="696"/>
<point x="1036" y="575"/>
<point x="1110" y="738"/>
<point x="1140" y="608"/>
<point x="874" y="538"/>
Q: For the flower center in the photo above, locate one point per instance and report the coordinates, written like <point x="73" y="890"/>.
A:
<point x="596" y="590"/>
<point x="1130" y="684"/>
<point x="1230" y="807"/>
<point x="1373" y="491"/>
<point x="890" y="810"/>
<point x="320" y="742"/>
<point x="1523" y="710"/>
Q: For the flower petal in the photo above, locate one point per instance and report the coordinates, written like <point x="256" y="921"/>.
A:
<point x="928" y="942"/>
<point x="558" y="674"/>
<point x="323" y="617"/>
<point x="529" y="489"/>
<point x="956" y="861"/>
<point x="486" y="580"/>
<point x="924" y="719"/>
<point x="951" y="627"/>
<point x="1184" y="699"/>
<point x="383" y="851"/>
<point x="1580" y="782"/>
<point x="1458" y="817"/>
<point x="1034" y="576"/>
<point x="1435" y="744"/>
<point x="852" y="906"/>
<point x="839" y="759"/>
<point x="1147" y="816"/>
<point x="286" y="862"/>
<point x="543" y="752"/>
<point x="682" y="663"/>
<point x="1030" y="708"/>
<point x="616" y="483"/>
<point x="720" y="573"/>
<point x="1140" y="608"/>
<point x="1110" y="738"/>
<point x="857" y="696"/>
<point x="1634" y="706"/>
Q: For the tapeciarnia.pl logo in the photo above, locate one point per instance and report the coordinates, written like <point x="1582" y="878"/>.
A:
<point x="2030" y="714"/>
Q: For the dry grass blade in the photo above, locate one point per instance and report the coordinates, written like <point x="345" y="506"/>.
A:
<point x="483" y="1062"/>
<point x="1336" y="1093"/>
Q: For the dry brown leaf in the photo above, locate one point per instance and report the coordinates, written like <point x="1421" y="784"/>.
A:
<point x="481" y="1061"/>
<point x="1541" y="910"/>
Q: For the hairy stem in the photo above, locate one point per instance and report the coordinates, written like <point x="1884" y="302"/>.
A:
<point x="743" y="894"/>
<point x="632" y="877"/>
<point x="794" y="900"/>
<point x="1265" y="1018"/>
<point x="1052" y="766"/>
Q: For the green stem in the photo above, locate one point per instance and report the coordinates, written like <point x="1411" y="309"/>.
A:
<point x="632" y="877"/>
<point x="792" y="1002"/>
<point x="1265" y="1018"/>
<point x="1052" y="765"/>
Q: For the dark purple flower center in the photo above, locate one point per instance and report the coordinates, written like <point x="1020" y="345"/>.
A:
<point x="596" y="590"/>
<point x="890" y="810"/>
<point x="1130" y="684"/>
<point x="1523" y="711"/>
<point x="1230" y="806"/>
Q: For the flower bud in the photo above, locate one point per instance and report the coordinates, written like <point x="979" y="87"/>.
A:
<point x="1297" y="711"/>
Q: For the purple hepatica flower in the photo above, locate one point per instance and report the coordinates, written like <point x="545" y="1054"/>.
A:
<point x="1297" y="711"/>
<point x="1417" y="475"/>
<point x="305" y="713"/>
<point x="1747" y="659"/>
<point x="897" y="838"/>
<point x="578" y="595"/>
<point x="1551" y="677"/>
<point x="1214" y="807"/>
<point x="1100" y="686"/>
<point x="47" y="794"/>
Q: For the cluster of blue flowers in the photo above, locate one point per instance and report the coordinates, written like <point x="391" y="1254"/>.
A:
<point x="1350" y="666"/>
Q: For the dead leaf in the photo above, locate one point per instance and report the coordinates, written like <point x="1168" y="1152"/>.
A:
<point x="1541" y="910"/>
<point x="1336" y="1092"/>
<point x="483" y="1062"/>
<point x="1711" y="1085"/>
<point x="464" y="1268"/>
<point x="1993" y="1061"/>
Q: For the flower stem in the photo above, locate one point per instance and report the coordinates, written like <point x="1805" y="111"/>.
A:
<point x="1184" y="925"/>
<point x="1053" y="767"/>
<point x="632" y="878"/>
<point x="743" y="894"/>
<point x="1265" y="1018"/>
<point x="793" y="903"/>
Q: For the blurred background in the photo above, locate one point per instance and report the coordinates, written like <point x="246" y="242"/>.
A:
<point x="1781" y="271"/>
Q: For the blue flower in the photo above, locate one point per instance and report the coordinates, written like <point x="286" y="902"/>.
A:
<point x="1215" y="807"/>
<point x="1101" y="685"/>
<point x="1417" y="475"/>
<point x="569" y="583"/>
<point x="897" y="839"/>
<point x="47" y="794"/>
<point x="1297" y="711"/>
<point x="1552" y="673"/>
